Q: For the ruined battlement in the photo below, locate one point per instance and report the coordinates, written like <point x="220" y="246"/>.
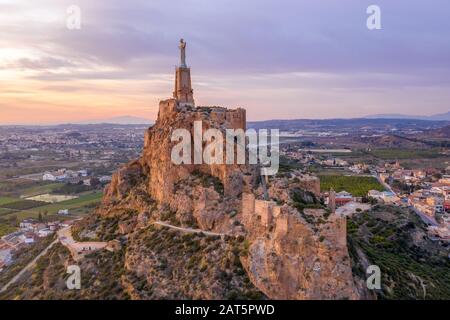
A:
<point x="264" y="213"/>
<point x="167" y="107"/>
<point x="235" y="118"/>
<point x="220" y="116"/>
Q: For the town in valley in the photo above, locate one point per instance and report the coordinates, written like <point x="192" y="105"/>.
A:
<point x="53" y="176"/>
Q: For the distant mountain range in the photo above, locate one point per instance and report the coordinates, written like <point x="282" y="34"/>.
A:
<point x="136" y="120"/>
<point x="368" y="120"/>
<point x="436" y="117"/>
<point x="118" y="120"/>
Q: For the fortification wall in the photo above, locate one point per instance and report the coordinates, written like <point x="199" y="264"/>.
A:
<point x="259" y="212"/>
<point x="167" y="107"/>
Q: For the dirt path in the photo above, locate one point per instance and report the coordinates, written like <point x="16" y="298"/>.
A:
<point x="189" y="230"/>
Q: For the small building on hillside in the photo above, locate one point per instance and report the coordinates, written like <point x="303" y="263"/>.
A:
<point x="63" y="212"/>
<point x="342" y="198"/>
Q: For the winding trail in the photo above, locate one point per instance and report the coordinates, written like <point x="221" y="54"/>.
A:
<point x="189" y="230"/>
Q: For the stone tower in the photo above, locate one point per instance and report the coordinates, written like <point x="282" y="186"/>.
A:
<point x="183" y="89"/>
<point x="332" y="201"/>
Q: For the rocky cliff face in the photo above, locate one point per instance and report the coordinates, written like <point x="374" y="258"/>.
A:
<point x="297" y="253"/>
<point x="173" y="185"/>
<point x="301" y="263"/>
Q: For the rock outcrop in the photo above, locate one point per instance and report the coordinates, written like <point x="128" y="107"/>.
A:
<point x="293" y="247"/>
<point x="291" y="252"/>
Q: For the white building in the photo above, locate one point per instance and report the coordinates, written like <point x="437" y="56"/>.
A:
<point x="54" y="177"/>
<point x="44" y="233"/>
<point x="63" y="212"/>
<point x="83" y="173"/>
<point x="28" y="238"/>
<point x="27" y="224"/>
<point x="48" y="177"/>
<point x="385" y="196"/>
<point x="105" y="179"/>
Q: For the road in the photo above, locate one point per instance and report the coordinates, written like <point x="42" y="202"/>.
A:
<point x="384" y="184"/>
<point x="28" y="266"/>
<point x="424" y="217"/>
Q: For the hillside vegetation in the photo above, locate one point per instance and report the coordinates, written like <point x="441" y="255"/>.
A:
<point x="412" y="266"/>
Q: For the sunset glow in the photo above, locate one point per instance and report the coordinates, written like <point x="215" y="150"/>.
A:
<point x="118" y="62"/>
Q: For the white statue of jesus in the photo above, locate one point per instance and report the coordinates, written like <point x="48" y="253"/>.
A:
<point x="182" y="47"/>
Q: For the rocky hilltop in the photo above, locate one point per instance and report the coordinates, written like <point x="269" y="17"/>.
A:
<point x="287" y="250"/>
<point x="289" y="245"/>
<point x="199" y="231"/>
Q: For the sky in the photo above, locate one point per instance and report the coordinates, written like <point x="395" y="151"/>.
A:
<point x="277" y="59"/>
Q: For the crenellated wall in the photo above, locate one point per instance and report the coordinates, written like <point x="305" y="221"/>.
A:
<point x="263" y="212"/>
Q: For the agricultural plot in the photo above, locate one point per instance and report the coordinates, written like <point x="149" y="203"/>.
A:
<point x="6" y="200"/>
<point x="40" y="189"/>
<point x="23" y="204"/>
<point x="356" y="185"/>
<point x="52" y="198"/>
<point x="25" y="188"/>
<point x="395" y="154"/>
<point x="6" y="229"/>
<point x="81" y="205"/>
<point x="4" y="211"/>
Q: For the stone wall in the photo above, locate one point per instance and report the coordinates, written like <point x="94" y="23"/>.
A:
<point x="260" y="212"/>
<point x="291" y="258"/>
<point x="233" y="118"/>
<point x="167" y="107"/>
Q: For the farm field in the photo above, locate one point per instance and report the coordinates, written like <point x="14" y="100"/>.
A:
<point x="393" y="154"/>
<point x="4" y="211"/>
<point x="76" y="206"/>
<point x="26" y="188"/>
<point x="357" y="185"/>
<point x="38" y="190"/>
<point x="6" y="200"/>
<point x="52" y="198"/>
<point x="22" y="205"/>
<point x="6" y="229"/>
